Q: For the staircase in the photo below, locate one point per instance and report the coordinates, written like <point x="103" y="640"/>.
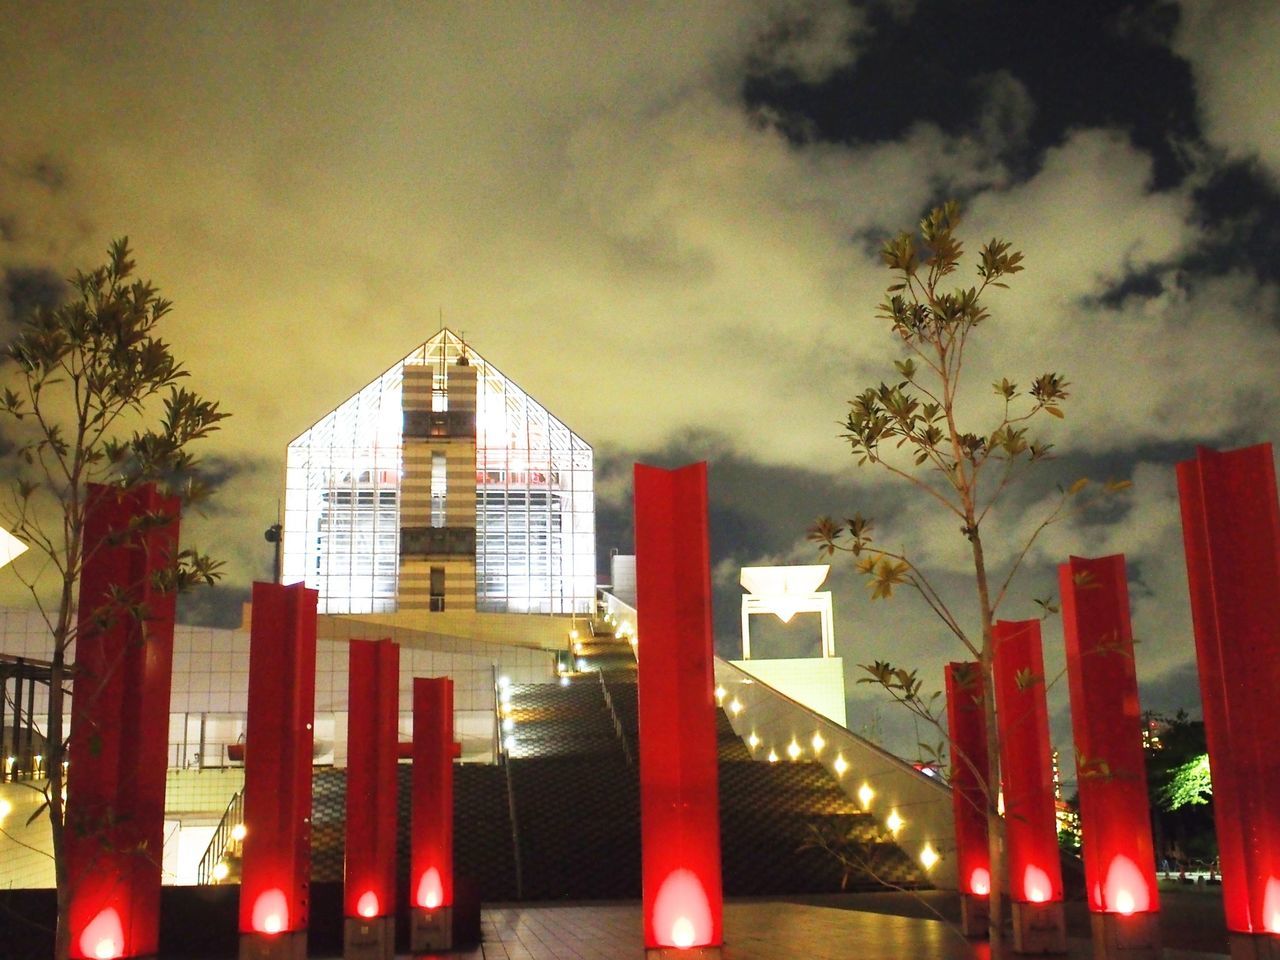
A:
<point x="571" y="780"/>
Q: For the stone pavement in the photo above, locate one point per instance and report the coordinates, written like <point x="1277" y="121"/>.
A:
<point x="754" y="930"/>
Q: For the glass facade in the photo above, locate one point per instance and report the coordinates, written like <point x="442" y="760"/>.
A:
<point x="535" y="504"/>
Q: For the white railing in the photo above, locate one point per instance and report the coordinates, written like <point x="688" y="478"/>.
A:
<point x="913" y="806"/>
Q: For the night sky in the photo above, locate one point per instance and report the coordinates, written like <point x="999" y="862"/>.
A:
<point x="661" y="220"/>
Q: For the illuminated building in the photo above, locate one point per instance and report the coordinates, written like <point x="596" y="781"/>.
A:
<point x="441" y="486"/>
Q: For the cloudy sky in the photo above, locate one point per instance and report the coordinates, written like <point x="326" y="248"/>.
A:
<point x="661" y="220"/>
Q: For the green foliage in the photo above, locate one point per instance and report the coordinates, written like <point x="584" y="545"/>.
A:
<point x="1189" y="784"/>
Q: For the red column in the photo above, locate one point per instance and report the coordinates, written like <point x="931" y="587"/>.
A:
<point x="120" y="723"/>
<point x="274" y="898"/>
<point x="967" y="730"/>
<point x="1231" y="531"/>
<point x="431" y="859"/>
<point x="372" y="744"/>
<point x="1026" y="764"/>
<point x="680" y="828"/>
<point x="1115" y="819"/>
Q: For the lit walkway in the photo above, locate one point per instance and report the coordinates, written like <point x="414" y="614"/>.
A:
<point x="754" y="931"/>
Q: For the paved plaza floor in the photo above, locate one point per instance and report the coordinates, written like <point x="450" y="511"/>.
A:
<point x="754" y="930"/>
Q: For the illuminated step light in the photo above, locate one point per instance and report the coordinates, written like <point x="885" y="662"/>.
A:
<point x="573" y="634"/>
<point x="582" y="664"/>
<point x="866" y="795"/>
<point x="238" y="832"/>
<point x="841" y="765"/>
<point x="817" y="742"/>
<point x="793" y="750"/>
<point x="508" y="725"/>
<point x="753" y="741"/>
<point x="929" y="857"/>
<point x="893" y="822"/>
<point x="509" y="743"/>
<point x="735" y="706"/>
<point x="504" y="683"/>
<point x="720" y="694"/>
<point x="564" y="679"/>
<point x="220" y="871"/>
<point x="773" y="756"/>
<point x="577" y="648"/>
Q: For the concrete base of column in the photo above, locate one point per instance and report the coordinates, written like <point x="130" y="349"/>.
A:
<point x="1039" y="928"/>
<point x="431" y="930"/>
<point x="372" y="938"/>
<point x="1117" y="937"/>
<point x="274" y="946"/>
<point x="1254" y="946"/>
<point x="691" y="953"/>
<point x="975" y="915"/>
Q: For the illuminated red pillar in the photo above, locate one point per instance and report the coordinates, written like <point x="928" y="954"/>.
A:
<point x="275" y="874"/>
<point x="967" y="730"/>
<point x="1106" y="720"/>
<point x="372" y="745"/>
<point x="1026" y="765"/>
<point x="679" y="809"/>
<point x="1231" y="530"/>
<point x="431" y="857"/>
<point x="120" y="723"/>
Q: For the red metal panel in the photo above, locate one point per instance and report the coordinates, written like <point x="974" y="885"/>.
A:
<point x="967" y="729"/>
<point x="431" y="863"/>
<point x="120" y="723"/>
<point x="277" y="763"/>
<point x="1115" y="818"/>
<point x="680" y="820"/>
<point x="1231" y="532"/>
<point x="372" y="745"/>
<point x="1026" y="763"/>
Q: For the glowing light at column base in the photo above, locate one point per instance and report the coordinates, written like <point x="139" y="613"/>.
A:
<point x="1271" y="906"/>
<point x="1126" y="890"/>
<point x="1035" y="885"/>
<point x="430" y="890"/>
<point x="271" y="912"/>
<point x="103" y="938"/>
<point x="980" y="882"/>
<point x="367" y="906"/>
<point x="681" y="912"/>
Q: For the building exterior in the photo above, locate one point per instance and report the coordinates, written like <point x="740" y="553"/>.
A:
<point x="440" y="487"/>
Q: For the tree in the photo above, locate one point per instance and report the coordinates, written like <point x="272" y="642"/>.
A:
<point x="92" y="395"/>
<point x="1180" y="787"/>
<point x="912" y="428"/>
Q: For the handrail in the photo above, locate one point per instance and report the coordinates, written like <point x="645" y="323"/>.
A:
<point x="515" y="832"/>
<point x="232" y="817"/>
<point x="617" y="722"/>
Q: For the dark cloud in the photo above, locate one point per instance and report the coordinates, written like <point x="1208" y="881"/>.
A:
<point x="23" y="290"/>
<point x="221" y="605"/>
